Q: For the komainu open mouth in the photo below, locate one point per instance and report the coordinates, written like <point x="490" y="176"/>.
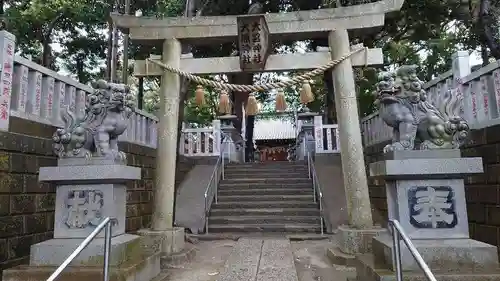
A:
<point x="387" y="96"/>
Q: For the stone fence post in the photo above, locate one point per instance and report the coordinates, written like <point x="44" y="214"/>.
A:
<point x="8" y="46"/>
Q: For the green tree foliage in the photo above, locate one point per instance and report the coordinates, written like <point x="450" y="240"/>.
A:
<point x="424" y="32"/>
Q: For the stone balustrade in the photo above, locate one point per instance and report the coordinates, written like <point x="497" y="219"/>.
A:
<point x="326" y="137"/>
<point x="480" y="90"/>
<point x="201" y="141"/>
<point x="38" y="94"/>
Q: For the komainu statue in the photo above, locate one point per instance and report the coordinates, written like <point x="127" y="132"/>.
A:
<point x="417" y="123"/>
<point x="95" y="134"/>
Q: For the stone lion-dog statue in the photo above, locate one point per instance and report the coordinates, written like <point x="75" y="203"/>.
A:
<point x="96" y="132"/>
<point x="416" y="122"/>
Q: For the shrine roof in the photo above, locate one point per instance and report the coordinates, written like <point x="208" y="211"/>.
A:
<point x="273" y="129"/>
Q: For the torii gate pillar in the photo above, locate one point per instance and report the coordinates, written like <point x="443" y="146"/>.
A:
<point x="168" y="238"/>
<point x="356" y="238"/>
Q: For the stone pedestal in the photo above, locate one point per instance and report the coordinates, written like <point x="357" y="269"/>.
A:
<point x="87" y="192"/>
<point x="425" y="193"/>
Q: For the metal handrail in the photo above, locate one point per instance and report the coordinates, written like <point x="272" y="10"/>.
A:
<point x="107" y="248"/>
<point x="214" y="181"/>
<point x="311" y="170"/>
<point x="398" y="232"/>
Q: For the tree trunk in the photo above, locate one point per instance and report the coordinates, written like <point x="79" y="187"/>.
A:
<point x="331" y="115"/>
<point x="485" y="56"/>
<point x="109" y="54"/>
<point x="489" y="26"/>
<point x="3" y="22"/>
<point x="114" y="55"/>
<point x="80" y="71"/>
<point x="46" y="59"/>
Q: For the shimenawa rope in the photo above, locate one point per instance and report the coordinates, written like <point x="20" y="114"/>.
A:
<point x="257" y="88"/>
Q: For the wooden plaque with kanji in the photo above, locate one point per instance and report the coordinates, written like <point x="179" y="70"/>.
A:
<point x="253" y="42"/>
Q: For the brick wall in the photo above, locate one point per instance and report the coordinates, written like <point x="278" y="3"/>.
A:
<point x="27" y="206"/>
<point x="482" y="191"/>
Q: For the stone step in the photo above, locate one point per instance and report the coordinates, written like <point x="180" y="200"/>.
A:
<point x="266" y="211"/>
<point x="274" y="181"/>
<point x="265" y="175"/>
<point x="268" y="227"/>
<point x="264" y="205"/>
<point x="266" y="191"/>
<point x="259" y="185"/>
<point x="277" y="164"/>
<point x="297" y="169"/>
<point x="272" y="219"/>
<point x="264" y="198"/>
<point x="237" y="235"/>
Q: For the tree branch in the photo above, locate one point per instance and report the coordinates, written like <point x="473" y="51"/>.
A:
<point x="46" y="34"/>
<point x="485" y="21"/>
<point x="414" y="52"/>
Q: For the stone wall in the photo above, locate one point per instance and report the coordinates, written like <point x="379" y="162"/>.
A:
<point x="482" y="191"/>
<point x="27" y="206"/>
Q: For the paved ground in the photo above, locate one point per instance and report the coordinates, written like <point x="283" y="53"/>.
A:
<point x="264" y="259"/>
<point x="312" y="264"/>
<point x="206" y="265"/>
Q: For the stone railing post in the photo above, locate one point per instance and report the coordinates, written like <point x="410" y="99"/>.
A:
<point x="318" y="133"/>
<point x="7" y="45"/>
<point x="48" y="84"/>
<point x="460" y="69"/>
<point x="461" y="66"/>
<point x="217" y="137"/>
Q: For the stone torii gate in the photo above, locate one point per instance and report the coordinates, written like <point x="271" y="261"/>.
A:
<point x="332" y="23"/>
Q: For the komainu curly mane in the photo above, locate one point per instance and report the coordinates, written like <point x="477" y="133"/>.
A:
<point x="96" y="132"/>
<point x="417" y="122"/>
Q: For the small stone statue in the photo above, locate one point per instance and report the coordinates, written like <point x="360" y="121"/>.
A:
<point x="417" y="123"/>
<point x="96" y="133"/>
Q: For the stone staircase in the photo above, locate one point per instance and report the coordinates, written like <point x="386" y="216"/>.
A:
<point x="265" y="197"/>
